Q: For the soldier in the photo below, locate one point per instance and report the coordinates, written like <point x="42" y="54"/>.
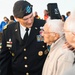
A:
<point x="23" y="55"/>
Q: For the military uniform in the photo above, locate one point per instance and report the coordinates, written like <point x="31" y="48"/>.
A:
<point x="22" y="59"/>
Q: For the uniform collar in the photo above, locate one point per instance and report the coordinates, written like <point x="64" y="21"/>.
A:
<point x="22" y="31"/>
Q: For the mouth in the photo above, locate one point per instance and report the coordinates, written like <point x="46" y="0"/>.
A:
<point x="29" y="25"/>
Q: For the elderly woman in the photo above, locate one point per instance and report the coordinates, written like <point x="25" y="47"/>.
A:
<point x="60" y="56"/>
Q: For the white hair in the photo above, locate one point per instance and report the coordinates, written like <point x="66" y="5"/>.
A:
<point x="56" y="25"/>
<point x="70" y="22"/>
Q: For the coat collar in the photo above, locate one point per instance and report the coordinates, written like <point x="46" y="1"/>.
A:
<point x="17" y="33"/>
<point x="33" y="33"/>
<point x="60" y="41"/>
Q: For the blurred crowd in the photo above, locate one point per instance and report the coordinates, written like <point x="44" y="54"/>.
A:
<point x="7" y="20"/>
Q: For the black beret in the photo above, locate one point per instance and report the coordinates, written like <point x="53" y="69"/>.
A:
<point x="53" y="11"/>
<point x="22" y="8"/>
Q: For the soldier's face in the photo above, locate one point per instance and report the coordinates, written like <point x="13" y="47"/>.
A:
<point x="26" y="21"/>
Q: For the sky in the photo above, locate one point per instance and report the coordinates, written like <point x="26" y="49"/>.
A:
<point x="6" y="6"/>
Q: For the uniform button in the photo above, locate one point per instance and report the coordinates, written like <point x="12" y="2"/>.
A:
<point x="24" y="49"/>
<point x="26" y="66"/>
<point x="25" y="57"/>
<point x="43" y="46"/>
<point x="27" y="73"/>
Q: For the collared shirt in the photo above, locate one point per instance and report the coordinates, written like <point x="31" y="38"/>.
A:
<point x="22" y="31"/>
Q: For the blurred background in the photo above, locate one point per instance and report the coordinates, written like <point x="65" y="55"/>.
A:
<point x="6" y="6"/>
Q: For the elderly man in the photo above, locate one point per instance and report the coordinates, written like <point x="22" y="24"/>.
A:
<point x="60" y="57"/>
<point x="69" y="29"/>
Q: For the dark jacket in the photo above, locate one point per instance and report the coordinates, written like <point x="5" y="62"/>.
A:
<point x="22" y="59"/>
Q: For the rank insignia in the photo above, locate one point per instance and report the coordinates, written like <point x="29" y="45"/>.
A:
<point x="40" y="53"/>
<point x="15" y="29"/>
<point x="36" y="28"/>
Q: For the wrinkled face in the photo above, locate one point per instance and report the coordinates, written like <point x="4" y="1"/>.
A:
<point x="69" y="29"/>
<point x="70" y="37"/>
<point x="26" y="21"/>
<point x="69" y="33"/>
<point x="49" y="37"/>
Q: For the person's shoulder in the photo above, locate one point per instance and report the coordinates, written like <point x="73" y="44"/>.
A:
<point x="2" y="22"/>
<point x="10" y="26"/>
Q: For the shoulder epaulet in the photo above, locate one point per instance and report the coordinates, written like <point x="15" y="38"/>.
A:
<point x="5" y="27"/>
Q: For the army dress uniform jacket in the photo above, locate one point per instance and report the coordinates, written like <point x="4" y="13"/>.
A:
<point x="18" y="58"/>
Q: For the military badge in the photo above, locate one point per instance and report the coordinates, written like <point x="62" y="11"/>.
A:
<point x="9" y="43"/>
<point x="40" y="53"/>
<point x="39" y="38"/>
<point x="28" y="9"/>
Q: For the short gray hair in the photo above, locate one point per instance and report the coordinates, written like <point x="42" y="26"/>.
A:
<point x="56" y="25"/>
<point x="69" y="24"/>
